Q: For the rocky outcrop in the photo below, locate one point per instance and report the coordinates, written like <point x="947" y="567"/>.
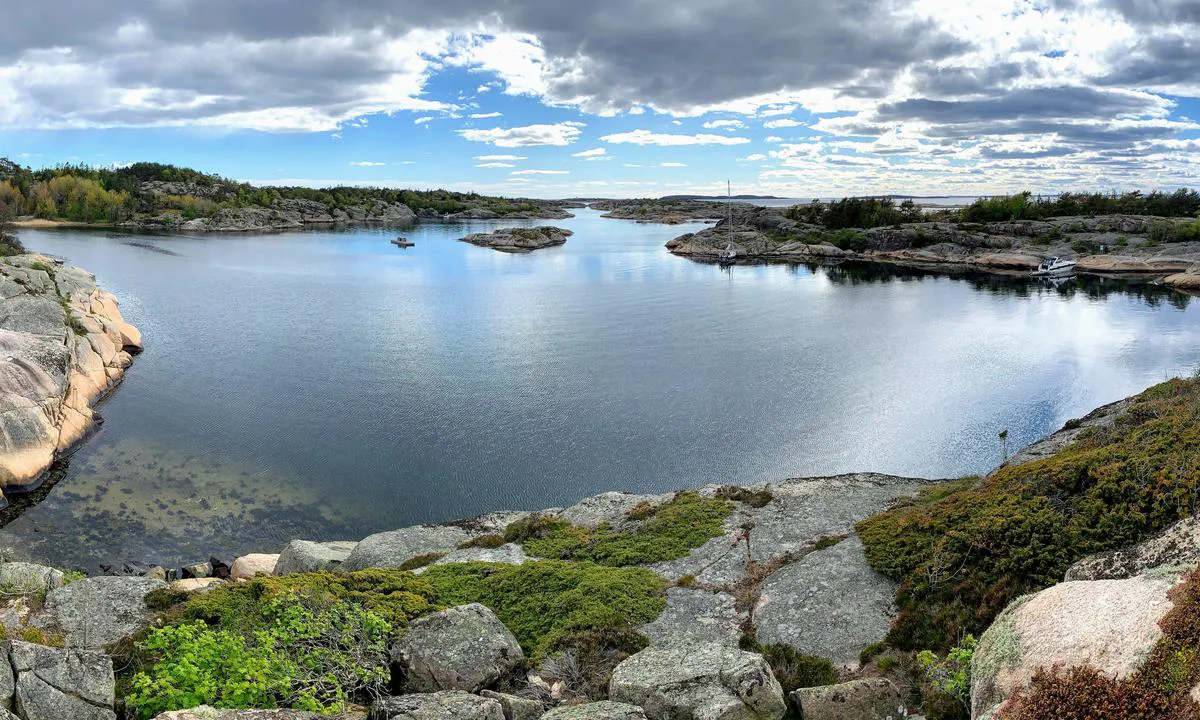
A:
<point x="603" y="710"/>
<point x="698" y="681"/>
<point x="57" y="684"/>
<point x="97" y="612"/>
<point x="1110" y="625"/>
<point x="874" y="698"/>
<point x="1178" y="547"/>
<point x="449" y="705"/>
<point x="63" y="346"/>
<point x="393" y="549"/>
<point x="830" y="603"/>
<point x="507" y="554"/>
<point x="697" y="616"/>
<point x="516" y="708"/>
<point x="461" y="648"/>
<point x="520" y="240"/>
<point x="307" y="556"/>
<point x="667" y="212"/>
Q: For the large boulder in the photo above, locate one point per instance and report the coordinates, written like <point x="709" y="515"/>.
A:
<point x="97" y="612"/>
<point x="448" y="705"/>
<point x="698" y="681"/>
<point x="26" y="578"/>
<point x="1110" y="625"/>
<point x="248" y="566"/>
<point x="696" y="616"/>
<point x="516" y="708"/>
<point x="301" y="556"/>
<point x="1178" y="545"/>
<point x="462" y="648"/>
<point x="393" y="549"/>
<point x="603" y="710"/>
<point x="830" y="603"/>
<point x="868" y="698"/>
<point x="58" y="684"/>
<point x="204" y="712"/>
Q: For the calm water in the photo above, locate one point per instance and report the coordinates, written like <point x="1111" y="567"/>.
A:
<point x="327" y="384"/>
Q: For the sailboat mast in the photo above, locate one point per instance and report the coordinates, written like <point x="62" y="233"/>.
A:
<point x="729" y="208"/>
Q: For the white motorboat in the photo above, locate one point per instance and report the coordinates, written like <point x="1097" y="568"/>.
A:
<point x="1055" y="267"/>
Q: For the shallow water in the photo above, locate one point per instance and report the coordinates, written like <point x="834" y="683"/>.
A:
<point x="328" y="385"/>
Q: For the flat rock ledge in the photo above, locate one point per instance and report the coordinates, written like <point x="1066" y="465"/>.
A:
<point x="63" y="346"/>
<point x="520" y="240"/>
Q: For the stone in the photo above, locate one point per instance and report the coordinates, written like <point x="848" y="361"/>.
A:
<point x="507" y="554"/>
<point x="696" y="616"/>
<point x="392" y="549"/>
<point x="1110" y="625"/>
<point x="99" y="611"/>
<point x="248" y="566"/>
<point x="447" y="705"/>
<point x="301" y="556"/>
<point x="603" y="710"/>
<point x="461" y="648"/>
<point x="191" y="585"/>
<point x="874" y="698"/>
<point x="22" y="577"/>
<point x="204" y="712"/>
<point x="197" y="570"/>
<point x="698" y="681"/>
<point x="156" y="572"/>
<point x="830" y="603"/>
<point x="62" y="684"/>
<point x="516" y="708"/>
<point x="1179" y="545"/>
<point x="609" y="507"/>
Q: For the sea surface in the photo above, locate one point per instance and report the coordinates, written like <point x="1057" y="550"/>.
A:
<point x="328" y="385"/>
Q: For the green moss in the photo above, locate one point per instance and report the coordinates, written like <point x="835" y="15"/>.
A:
<point x="828" y="541"/>
<point x="421" y="561"/>
<point x="962" y="552"/>
<point x="675" y="529"/>
<point x="550" y="605"/>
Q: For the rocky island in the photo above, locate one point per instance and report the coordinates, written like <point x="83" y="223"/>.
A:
<point x="666" y="210"/>
<point x="1167" y="248"/>
<point x="520" y="240"/>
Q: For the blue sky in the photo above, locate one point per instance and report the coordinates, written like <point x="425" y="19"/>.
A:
<point x="538" y="98"/>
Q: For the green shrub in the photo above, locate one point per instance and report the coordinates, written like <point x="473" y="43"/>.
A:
<point x="794" y="670"/>
<point x="849" y="239"/>
<point x="1081" y="246"/>
<point x="676" y="527"/>
<point x="552" y="605"/>
<point x="1122" y="241"/>
<point x="490" y="542"/>
<point x="963" y="551"/>
<point x="421" y="561"/>
<point x="308" y="658"/>
<point x="951" y="674"/>
<point x="1170" y="231"/>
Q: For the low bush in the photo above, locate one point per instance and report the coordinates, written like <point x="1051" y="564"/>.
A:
<point x="848" y="239"/>
<point x="964" y="550"/>
<point x="1169" y="231"/>
<point x="951" y="674"/>
<point x="793" y="669"/>
<point x="675" y="529"/>
<point x="753" y="498"/>
<point x="551" y="606"/>
<point x="490" y="542"/>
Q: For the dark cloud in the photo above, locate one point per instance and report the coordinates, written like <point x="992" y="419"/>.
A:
<point x="1065" y="103"/>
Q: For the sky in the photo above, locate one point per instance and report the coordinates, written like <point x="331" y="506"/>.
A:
<point x="622" y="98"/>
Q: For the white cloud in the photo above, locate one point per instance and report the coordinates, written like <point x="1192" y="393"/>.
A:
<point x="563" y="133"/>
<point x="672" y="165"/>
<point x="727" y="124"/>
<point x="517" y="58"/>
<point x="495" y="165"/>
<point x="755" y="157"/>
<point x="773" y="139"/>
<point x="775" y="110"/>
<point x="541" y="172"/>
<point x="781" y="123"/>
<point x="631" y="165"/>
<point x="501" y="157"/>
<point x="645" y="137"/>
<point x="423" y="120"/>
<point x="482" y="116"/>
<point x="368" y="163"/>
<point x="592" y="155"/>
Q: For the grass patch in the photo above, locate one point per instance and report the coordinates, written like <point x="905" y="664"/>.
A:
<point x="421" y="561"/>
<point x="552" y="606"/>
<point x="673" y="530"/>
<point x="963" y="551"/>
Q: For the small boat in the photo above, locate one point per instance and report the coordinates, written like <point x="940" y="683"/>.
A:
<point x="728" y="256"/>
<point x="403" y="242"/>
<point x="1055" y="266"/>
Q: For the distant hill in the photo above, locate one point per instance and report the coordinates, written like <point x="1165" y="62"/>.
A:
<point x="722" y="197"/>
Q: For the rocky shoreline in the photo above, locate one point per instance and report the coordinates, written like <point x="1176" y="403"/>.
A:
<point x="520" y="240"/>
<point x="66" y="347"/>
<point x="1116" y="245"/>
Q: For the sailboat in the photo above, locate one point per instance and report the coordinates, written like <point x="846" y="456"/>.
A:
<point x="728" y="256"/>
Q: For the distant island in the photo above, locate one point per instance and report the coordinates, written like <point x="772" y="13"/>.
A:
<point x="722" y="197"/>
<point x="157" y="196"/>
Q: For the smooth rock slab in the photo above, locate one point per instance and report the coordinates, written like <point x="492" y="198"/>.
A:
<point x="507" y="554"/>
<point x="301" y="556"/>
<point x="462" y="648"/>
<point x="58" y="684"/>
<point x="1110" y="625"/>
<point x="830" y="603"/>
<point x="603" y="710"/>
<point x="698" y="682"/>
<point x="392" y="549"/>
<point x="99" y="611"/>
<point x="696" y="616"/>
<point x="449" y="705"/>
<point x="873" y="698"/>
<point x="609" y="507"/>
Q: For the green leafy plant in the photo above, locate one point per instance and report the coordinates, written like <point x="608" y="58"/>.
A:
<point x="951" y="674"/>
